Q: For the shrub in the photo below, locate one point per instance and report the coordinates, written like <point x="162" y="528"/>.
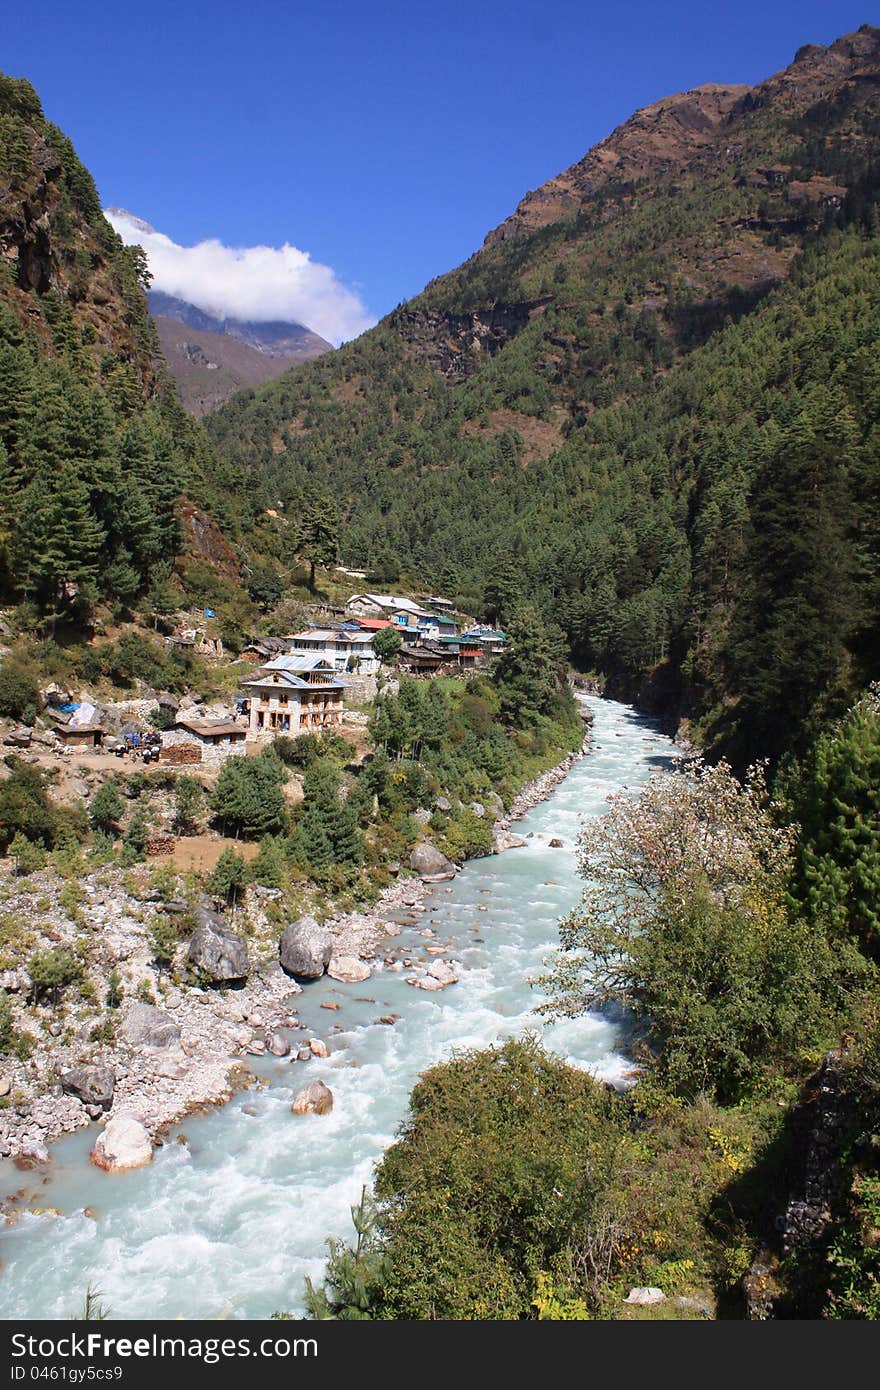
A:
<point x="29" y="857"/>
<point x="19" y="696"/>
<point x="107" y="808"/>
<point x="24" y="806"/>
<point x="115" y="990"/>
<point x="164" y="940"/>
<point x="269" y="866"/>
<point x="507" y="1155"/>
<point x="229" y="877"/>
<point x="189" y="799"/>
<point x="136" y="836"/>
<point x="52" y="971"/>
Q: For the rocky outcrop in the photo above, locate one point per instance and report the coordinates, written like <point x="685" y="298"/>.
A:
<point x="203" y="540"/>
<point x="457" y="345"/>
<point x="146" y="1026"/>
<point x="316" y="1099"/>
<point x="53" y="241"/>
<point x="216" y="951"/>
<point x="427" y="861"/>
<point x="124" y="1143"/>
<point x="94" y="1085"/>
<point x="305" y="949"/>
<point x="503" y="839"/>
<point x="348" y="969"/>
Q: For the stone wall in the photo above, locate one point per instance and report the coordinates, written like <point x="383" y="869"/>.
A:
<point x="210" y="754"/>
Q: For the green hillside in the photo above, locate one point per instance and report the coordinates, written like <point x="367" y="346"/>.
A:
<point x="648" y="403"/>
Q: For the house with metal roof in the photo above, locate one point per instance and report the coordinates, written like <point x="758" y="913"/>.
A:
<point x="296" y="693"/>
<point x="347" y="648"/>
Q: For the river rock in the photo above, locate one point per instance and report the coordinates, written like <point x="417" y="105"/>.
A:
<point x="348" y="969"/>
<point x="124" y="1143"/>
<point x="216" y="950"/>
<point x="644" y="1297"/>
<point x="556" y="843"/>
<point x="277" y="1044"/>
<point x="441" y="970"/>
<point x="318" y="1048"/>
<point x="31" y="1151"/>
<point x="505" y="839"/>
<point x="316" y="1099"/>
<point x="146" y="1026"/>
<point x="427" y="861"/>
<point x="305" y="949"/>
<point x="94" y="1085"/>
<point x="426" y="982"/>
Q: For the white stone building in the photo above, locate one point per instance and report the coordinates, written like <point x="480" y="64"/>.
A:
<point x="293" y="695"/>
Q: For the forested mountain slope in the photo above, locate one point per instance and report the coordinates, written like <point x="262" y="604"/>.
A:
<point x="95" y="451"/>
<point x="649" y="401"/>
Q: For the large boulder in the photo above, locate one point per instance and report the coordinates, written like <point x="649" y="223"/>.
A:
<point x="305" y="949"/>
<point x="427" y="861"/>
<point x="146" y="1026"/>
<point x="505" y="839"/>
<point x="123" y="1143"/>
<point x="438" y="975"/>
<point x="645" y="1296"/>
<point x="316" y="1099"/>
<point x="441" y="970"/>
<point x="94" y="1085"/>
<point x="18" y="738"/>
<point x="216" y="950"/>
<point x="31" y="1153"/>
<point x="348" y="969"/>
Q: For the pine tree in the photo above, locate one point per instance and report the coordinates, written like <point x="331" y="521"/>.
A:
<point x="319" y="532"/>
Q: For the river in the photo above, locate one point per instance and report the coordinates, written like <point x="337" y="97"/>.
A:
<point x="234" y="1210"/>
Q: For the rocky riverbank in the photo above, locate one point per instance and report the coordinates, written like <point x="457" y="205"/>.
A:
<point x="536" y="791"/>
<point x="131" y="1042"/>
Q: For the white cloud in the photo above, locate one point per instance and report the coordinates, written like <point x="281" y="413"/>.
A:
<point x="260" y="283"/>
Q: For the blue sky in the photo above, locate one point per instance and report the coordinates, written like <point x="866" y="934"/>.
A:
<point x="384" y="139"/>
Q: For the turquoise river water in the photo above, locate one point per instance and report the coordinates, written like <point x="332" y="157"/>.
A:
<point x="228" y="1221"/>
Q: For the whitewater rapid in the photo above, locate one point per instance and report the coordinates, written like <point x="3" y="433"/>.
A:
<point x="234" y="1211"/>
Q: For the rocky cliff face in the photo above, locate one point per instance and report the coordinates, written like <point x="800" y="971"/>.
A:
<point x="64" y="269"/>
<point x="455" y="345"/>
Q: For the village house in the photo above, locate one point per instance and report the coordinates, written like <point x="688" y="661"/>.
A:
<point x="465" y="654"/>
<point x="214" y="740"/>
<point x="293" y="694"/>
<point x="346" y="647"/>
<point x="490" y="639"/>
<point x="402" y="611"/>
<point x="80" y="735"/>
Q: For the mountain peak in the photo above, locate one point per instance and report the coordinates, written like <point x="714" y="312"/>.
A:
<point x="211" y="357"/>
<point x="140" y="224"/>
<point x="686" y="130"/>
